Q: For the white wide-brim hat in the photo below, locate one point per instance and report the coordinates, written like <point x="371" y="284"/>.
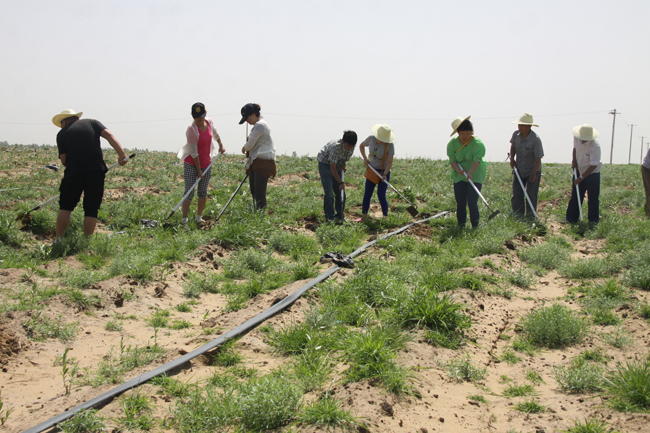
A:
<point x="456" y="123"/>
<point x="64" y="115"/>
<point x="526" y="119"/>
<point x="585" y="132"/>
<point x="383" y="133"/>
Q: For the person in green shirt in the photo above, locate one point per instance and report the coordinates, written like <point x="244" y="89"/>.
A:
<point x="466" y="154"/>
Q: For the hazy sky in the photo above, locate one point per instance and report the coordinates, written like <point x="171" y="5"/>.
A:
<point x="318" y="68"/>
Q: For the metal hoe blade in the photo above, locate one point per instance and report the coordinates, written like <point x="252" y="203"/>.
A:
<point x="411" y="209"/>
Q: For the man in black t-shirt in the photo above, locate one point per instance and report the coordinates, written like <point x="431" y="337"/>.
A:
<point x="80" y="153"/>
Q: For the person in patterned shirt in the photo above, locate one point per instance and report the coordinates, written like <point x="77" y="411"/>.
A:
<point x="331" y="166"/>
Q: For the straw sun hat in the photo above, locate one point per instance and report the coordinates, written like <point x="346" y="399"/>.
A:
<point x="456" y="123"/>
<point x="64" y="115"/>
<point x="383" y="133"/>
<point x="585" y="132"/>
<point x="526" y="119"/>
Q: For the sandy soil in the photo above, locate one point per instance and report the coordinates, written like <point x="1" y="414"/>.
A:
<point x="443" y="405"/>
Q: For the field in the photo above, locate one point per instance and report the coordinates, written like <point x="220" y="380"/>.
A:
<point x="513" y="327"/>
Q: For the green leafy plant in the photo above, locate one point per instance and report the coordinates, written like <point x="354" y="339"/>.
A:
<point x="516" y="390"/>
<point x="39" y="327"/>
<point x="478" y="397"/>
<point x="268" y="403"/>
<point x="589" y="425"/>
<point x="137" y="412"/>
<point x="69" y="368"/>
<point x="4" y="413"/>
<point x="554" y="327"/>
<point x="85" y="421"/>
<point x="183" y="307"/>
<point x="114" y="325"/>
<point x="579" y="376"/>
<point x="618" y="338"/>
<point x="327" y="412"/>
<point x="464" y="370"/>
<point x="510" y="357"/>
<point x="534" y="377"/>
<point x="530" y="406"/>
<point x="628" y="386"/>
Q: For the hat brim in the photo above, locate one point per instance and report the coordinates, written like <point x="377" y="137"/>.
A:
<point x="525" y="123"/>
<point x="576" y="134"/>
<point x="375" y="129"/>
<point x="59" y="117"/>
<point x="456" y="130"/>
<point x="243" y="119"/>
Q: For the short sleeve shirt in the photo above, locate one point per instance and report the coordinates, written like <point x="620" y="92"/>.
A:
<point x="79" y="141"/>
<point x="466" y="156"/>
<point x="335" y="152"/>
<point x="376" y="151"/>
<point x="587" y="154"/>
<point x="526" y="151"/>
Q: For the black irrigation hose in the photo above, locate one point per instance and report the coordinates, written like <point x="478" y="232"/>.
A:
<point x="242" y="329"/>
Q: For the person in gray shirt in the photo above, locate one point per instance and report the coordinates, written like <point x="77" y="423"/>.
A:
<point x="526" y="154"/>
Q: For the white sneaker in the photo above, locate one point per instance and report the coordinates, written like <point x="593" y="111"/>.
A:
<point x="199" y="219"/>
<point x="184" y="221"/>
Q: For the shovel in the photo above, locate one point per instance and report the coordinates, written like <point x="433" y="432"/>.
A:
<point x="192" y="189"/>
<point x="231" y="197"/>
<point x="494" y="213"/>
<point x="525" y="193"/>
<point x="575" y="174"/>
<point x="24" y="215"/>
<point x="411" y="209"/>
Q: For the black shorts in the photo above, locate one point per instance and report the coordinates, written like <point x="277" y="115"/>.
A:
<point x="91" y="183"/>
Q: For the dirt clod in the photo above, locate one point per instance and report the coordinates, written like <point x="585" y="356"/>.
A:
<point x="387" y="408"/>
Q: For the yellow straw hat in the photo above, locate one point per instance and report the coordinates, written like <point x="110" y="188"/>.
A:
<point x="64" y="115"/>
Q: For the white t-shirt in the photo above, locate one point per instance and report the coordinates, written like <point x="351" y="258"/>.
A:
<point x="587" y="154"/>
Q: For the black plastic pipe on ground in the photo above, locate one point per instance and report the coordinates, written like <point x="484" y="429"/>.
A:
<point x="242" y="329"/>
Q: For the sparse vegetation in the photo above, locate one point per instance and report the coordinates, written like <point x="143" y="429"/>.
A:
<point x="366" y="327"/>
<point x="464" y="370"/>
<point x="579" y="376"/>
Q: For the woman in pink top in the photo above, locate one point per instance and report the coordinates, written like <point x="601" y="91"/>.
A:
<point x="196" y="155"/>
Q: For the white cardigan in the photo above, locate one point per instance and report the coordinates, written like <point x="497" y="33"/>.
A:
<point x="260" y="144"/>
<point x="191" y="147"/>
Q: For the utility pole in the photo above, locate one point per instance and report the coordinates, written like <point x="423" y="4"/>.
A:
<point x="611" y="153"/>
<point x="629" y="159"/>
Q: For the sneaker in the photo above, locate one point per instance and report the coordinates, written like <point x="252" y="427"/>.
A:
<point x="184" y="221"/>
<point x="199" y="219"/>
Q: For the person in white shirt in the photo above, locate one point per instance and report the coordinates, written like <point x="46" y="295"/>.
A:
<point x="261" y="153"/>
<point x="586" y="159"/>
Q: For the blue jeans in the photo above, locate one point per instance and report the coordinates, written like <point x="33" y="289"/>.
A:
<point x="466" y="196"/>
<point x="381" y="194"/>
<point x="591" y="186"/>
<point x="333" y="197"/>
